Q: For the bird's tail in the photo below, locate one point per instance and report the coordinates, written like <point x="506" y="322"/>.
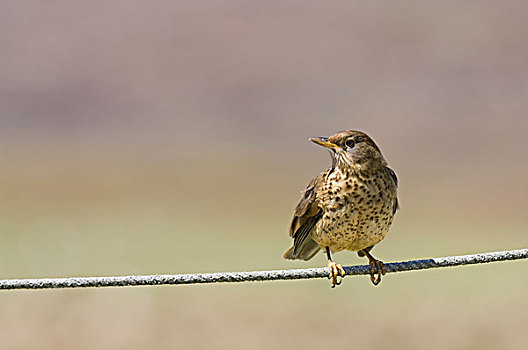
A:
<point x="289" y="254"/>
<point x="305" y="252"/>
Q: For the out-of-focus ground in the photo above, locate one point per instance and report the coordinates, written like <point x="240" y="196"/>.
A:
<point x="171" y="137"/>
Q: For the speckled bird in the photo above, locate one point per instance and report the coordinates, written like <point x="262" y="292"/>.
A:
<point x="349" y="206"/>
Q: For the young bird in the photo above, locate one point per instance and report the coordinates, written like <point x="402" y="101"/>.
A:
<point x="349" y="206"/>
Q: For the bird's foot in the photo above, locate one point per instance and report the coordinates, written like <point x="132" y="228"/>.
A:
<point x="336" y="273"/>
<point x="376" y="267"/>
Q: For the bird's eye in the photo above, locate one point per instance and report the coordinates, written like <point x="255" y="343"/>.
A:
<point x="350" y="143"/>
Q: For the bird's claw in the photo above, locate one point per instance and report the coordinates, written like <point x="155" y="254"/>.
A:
<point x="376" y="267"/>
<point x="336" y="271"/>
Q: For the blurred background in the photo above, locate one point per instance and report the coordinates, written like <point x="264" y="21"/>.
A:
<point x="171" y="137"/>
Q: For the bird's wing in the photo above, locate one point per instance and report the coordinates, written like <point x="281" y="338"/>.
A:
<point x="393" y="176"/>
<point x="395" y="180"/>
<point x="307" y="213"/>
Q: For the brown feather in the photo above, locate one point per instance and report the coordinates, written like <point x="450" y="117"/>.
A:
<point x="307" y="213"/>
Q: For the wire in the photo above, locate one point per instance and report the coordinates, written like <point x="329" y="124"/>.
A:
<point x="273" y="275"/>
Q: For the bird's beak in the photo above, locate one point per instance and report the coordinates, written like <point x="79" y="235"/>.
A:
<point x="323" y="141"/>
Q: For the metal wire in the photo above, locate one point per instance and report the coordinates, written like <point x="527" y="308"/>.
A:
<point x="156" y="280"/>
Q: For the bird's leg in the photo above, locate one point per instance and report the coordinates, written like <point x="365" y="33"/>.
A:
<point x="336" y="270"/>
<point x="376" y="266"/>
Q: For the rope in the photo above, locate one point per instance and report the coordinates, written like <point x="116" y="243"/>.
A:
<point x="156" y="280"/>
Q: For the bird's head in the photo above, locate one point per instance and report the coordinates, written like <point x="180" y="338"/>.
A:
<point x="352" y="149"/>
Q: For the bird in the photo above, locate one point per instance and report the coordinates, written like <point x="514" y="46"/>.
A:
<point x="349" y="206"/>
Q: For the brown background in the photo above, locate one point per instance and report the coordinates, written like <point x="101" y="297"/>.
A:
<point x="171" y="137"/>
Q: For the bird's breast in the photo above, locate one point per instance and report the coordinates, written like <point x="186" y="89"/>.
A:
<point x="356" y="211"/>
